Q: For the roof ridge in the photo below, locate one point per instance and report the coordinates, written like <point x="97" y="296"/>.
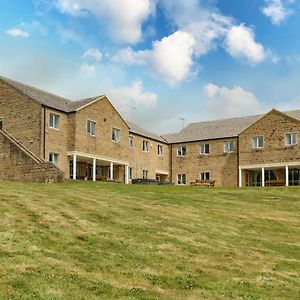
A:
<point x="8" y="81"/>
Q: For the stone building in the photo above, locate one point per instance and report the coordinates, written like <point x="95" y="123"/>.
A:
<point x="44" y="137"/>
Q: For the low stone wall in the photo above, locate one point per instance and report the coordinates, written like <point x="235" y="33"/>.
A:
<point x="16" y="163"/>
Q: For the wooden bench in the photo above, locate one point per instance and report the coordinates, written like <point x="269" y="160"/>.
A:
<point x="275" y="182"/>
<point x="200" y="182"/>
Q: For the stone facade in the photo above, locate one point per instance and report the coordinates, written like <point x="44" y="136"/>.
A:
<point x="221" y="166"/>
<point x="273" y="127"/>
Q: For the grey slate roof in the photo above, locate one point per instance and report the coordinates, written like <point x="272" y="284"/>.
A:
<point x="217" y="129"/>
<point x="48" y="99"/>
<point x="134" y="128"/>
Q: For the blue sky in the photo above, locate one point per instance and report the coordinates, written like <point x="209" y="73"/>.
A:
<point x="158" y="60"/>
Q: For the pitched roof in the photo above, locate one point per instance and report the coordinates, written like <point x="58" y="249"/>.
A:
<point x="134" y="128"/>
<point x="48" y="99"/>
<point x="224" y="128"/>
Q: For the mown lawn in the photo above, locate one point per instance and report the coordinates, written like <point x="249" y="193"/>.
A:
<point x="84" y="240"/>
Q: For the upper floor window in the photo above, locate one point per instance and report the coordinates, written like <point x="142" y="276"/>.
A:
<point x="181" y="179"/>
<point x="204" y="175"/>
<point x="159" y="150"/>
<point x="116" y="135"/>
<point x="145" y="174"/>
<point x="257" y="142"/>
<point x="291" y="138"/>
<point x="91" y="128"/>
<point x="54" y="158"/>
<point x="146" y="146"/>
<point x="204" y="149"/>
<point x="181" y="151"/>
<point x="130" y="141"/>
<point x="229" y="147"/>
<point x="54" y="121"/>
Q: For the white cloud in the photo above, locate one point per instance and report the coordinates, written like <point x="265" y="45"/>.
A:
<point x="130" y="57"/>
<point x="92" y="53"/>
<point x="130" y="97"/>
<point x="277" y="10"/>
<point x="225" y="102"/>
<point x="88" y="69"/>
<point x="17" y="33"/>
<point x="240" y="43"/>
<point x="172" y="57"/>
<point x="124" y="18"/>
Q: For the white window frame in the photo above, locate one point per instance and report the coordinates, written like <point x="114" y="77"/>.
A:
<point x="160" y="151"/>
<point x="130" y="141"/>
<point x="180" y="152"/>
<point x="145" y="174"/>
<point x="203" y="149"/>
<point x="90" y="128"/>
<point x="52" y="155"/>
<point x="181" y="179"/>
<point x="205" y="175"/>
<point x="146" y="146"/>
<point x="116" y="135"/>
<point x="255" y="142"/>
<point x="229" y="146"/>
<point x="130" y="173"/>
<point x="54" y="121"/>
<point x="293" y="142"/>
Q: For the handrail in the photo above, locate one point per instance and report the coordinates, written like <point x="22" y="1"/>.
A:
<point x="22" y="147"/>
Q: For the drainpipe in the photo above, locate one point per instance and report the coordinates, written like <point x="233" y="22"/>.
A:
<point x="238" y="159"/>
<point x="171" y="163"/>
<point x="44" y="139"/>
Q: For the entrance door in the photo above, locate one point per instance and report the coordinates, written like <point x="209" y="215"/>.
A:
<point x="1" y="123"/>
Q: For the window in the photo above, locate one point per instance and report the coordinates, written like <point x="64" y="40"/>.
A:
<point x="291" y="139"/>
<point x="257" y="142"/>
<point x="1" y="123"/>
<point x="229" y="147"/>
<point x="130" y="174"/>
<point x="115" y="135"/>
<point x="159" y="150"/>
<point x="204" y="175"/>
<point x="130" y="142"/>
<point x="145" y="174"/>
<point x="54" y="121"/>
<point x="204" y="149"/>
<point x="181" y="151"/>
<point x="91" y="128"/>
<point x="181" y="179"/>
<point x="54" y="158"/>
<point x="146" y="146"/>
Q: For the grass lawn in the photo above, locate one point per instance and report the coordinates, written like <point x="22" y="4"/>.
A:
<point x="84" y="240"/>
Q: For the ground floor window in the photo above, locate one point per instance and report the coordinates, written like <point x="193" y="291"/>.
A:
<point x="54" y="158"/>
<point x="130" y="173"/>
<point x="145" y="174"/>
<point x="204" y="175"/>
<point x="181" y="179"/>
<point x="294" y="177"/>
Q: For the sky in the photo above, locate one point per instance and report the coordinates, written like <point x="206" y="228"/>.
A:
<point x="162" y="63"/>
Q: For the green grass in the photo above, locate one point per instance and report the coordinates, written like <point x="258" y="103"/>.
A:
<point x="84" y="240"/>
